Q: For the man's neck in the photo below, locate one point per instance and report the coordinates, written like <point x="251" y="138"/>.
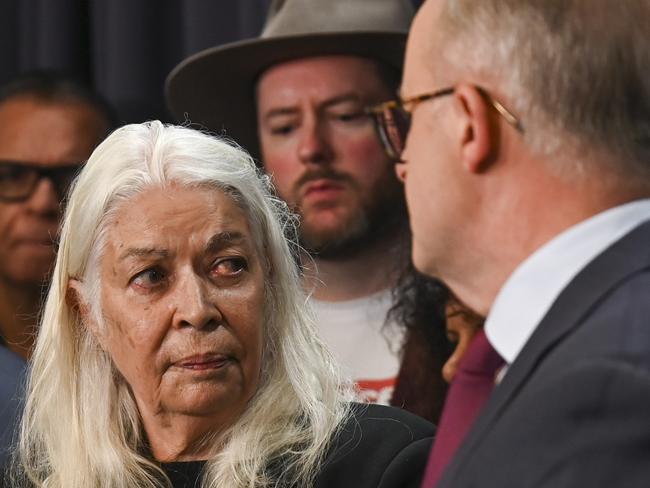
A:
<point x="348" y="278"/>
<point x="565" y="205"/>
<point x="19" y="309"/>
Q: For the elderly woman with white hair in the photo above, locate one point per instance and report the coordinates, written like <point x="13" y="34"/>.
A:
<point x="176" y="347"/>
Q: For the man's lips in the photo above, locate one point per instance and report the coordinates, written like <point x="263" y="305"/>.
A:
<point x="322" y="186"/>
<point x="34" y="245"/>
<point x="40" y="236"/>
<point x="201" y="362"/>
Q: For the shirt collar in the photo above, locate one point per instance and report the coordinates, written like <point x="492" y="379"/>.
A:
<point x="532" y="288"/>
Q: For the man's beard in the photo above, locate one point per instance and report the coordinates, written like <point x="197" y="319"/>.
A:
<point x="379" y="215"/>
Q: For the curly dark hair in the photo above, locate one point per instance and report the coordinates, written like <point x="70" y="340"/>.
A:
<point x="419" y="304"/>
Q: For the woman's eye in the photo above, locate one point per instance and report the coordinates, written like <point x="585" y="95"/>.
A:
<point x="229" y="266"/>
<point x="149" y="278"/>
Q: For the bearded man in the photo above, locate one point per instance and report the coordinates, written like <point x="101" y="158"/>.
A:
<point x="296" y="98"/>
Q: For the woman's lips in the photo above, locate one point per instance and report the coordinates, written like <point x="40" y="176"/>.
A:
<point x="201" y="362"/>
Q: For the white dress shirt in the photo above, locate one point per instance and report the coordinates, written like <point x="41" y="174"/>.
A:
<point x="536" y="283"/>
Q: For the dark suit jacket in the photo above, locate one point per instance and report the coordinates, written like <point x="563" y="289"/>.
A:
<point x="574" y="408"/>
<point x="12" y="372"/>
<point x="378" y="447"/>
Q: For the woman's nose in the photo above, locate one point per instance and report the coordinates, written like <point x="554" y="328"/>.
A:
<point x="195" y="306"/>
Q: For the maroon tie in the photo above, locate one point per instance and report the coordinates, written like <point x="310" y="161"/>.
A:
<point x="469" y="390"/>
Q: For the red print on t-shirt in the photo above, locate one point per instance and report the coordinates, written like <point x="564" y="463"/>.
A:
<point x="376" y="391"/>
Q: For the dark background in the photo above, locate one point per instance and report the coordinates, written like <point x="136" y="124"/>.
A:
<point x="122" y="48"/>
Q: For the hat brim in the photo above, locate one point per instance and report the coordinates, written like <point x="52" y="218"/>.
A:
<point x="215" y="88"/>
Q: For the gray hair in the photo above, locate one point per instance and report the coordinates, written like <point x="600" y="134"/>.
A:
<point x="573" y="70"/>
<point x="81" y="426"/>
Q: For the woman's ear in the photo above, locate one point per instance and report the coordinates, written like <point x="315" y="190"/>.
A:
<point x="77" y="302"/>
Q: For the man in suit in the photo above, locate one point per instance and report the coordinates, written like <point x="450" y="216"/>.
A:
<point x="529" y="150"/>
<point x="49" y="125"/>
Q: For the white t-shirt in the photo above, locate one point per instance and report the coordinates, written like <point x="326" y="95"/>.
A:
<point x="367" y="350"/>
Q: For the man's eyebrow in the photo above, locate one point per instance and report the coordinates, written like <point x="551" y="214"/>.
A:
<point x="225" y="239"/>
<point x="343" y="98"/>
<point x="143" y="252"/>
<point x="346" y="97"/>
<point x="276" y="112"/>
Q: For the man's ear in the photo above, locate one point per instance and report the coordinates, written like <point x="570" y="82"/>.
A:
<point x="478" y="145"/>
<point x="76" y="300"/>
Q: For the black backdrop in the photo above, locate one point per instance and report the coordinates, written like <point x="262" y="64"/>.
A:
<point x="122" y="48"/>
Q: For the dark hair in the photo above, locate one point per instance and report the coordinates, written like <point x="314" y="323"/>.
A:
<point x="419" y="304"/>
<point x="419" y="301"/>
<point x="55" y="86"/>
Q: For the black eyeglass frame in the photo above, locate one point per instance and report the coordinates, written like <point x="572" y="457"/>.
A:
<point x="56" y="174"/>
<point x="407" y="105"/>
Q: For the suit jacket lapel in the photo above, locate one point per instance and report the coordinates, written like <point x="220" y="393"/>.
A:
<point x="625" y="257"/>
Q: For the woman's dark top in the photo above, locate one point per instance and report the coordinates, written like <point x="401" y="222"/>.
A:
<point x="378" y="447"/>
<point x="184" y="475"/>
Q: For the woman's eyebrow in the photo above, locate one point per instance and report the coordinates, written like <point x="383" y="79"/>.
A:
<point x="215" y="243"/>
<point x="225" y="239"/>
<point x="143" y="252"/>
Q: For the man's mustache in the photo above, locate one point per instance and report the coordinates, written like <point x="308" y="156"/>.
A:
<point x="322" y="174"/>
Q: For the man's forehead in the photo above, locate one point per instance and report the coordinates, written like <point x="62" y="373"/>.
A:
<point x="332" y="74"/>
<point x="47" y="132"/>
<point x="423" y="46"/>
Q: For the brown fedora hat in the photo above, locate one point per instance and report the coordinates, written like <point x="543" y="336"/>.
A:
<point x="215" y="88"/>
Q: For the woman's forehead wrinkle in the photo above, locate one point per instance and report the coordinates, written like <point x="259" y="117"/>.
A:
<point x="143" y="252"/>
<point x="224" y="239"/>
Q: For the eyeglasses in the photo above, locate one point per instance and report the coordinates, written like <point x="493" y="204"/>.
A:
<point x="393" y="118"/>
<point x="18" y="180"/>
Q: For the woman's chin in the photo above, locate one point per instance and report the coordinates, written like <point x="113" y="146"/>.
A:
<point x="204" y="394"/>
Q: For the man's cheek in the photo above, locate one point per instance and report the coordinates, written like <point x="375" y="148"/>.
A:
<point x="7" y="229"/>
<point x="284" y="177"/>
<point x="365" y="154"/>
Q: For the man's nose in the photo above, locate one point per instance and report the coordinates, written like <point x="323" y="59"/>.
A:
<point x="400" y="171"/>
<point x="314" y="146"/>
<point x="450" y="367"/>
<point x="45" y="199"/>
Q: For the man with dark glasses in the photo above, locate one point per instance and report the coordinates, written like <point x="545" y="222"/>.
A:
<point x="522" y="135"/>
<point x="49" y="125"/>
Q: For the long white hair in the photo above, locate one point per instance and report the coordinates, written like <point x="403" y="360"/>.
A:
<point x="81" y="427"/>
